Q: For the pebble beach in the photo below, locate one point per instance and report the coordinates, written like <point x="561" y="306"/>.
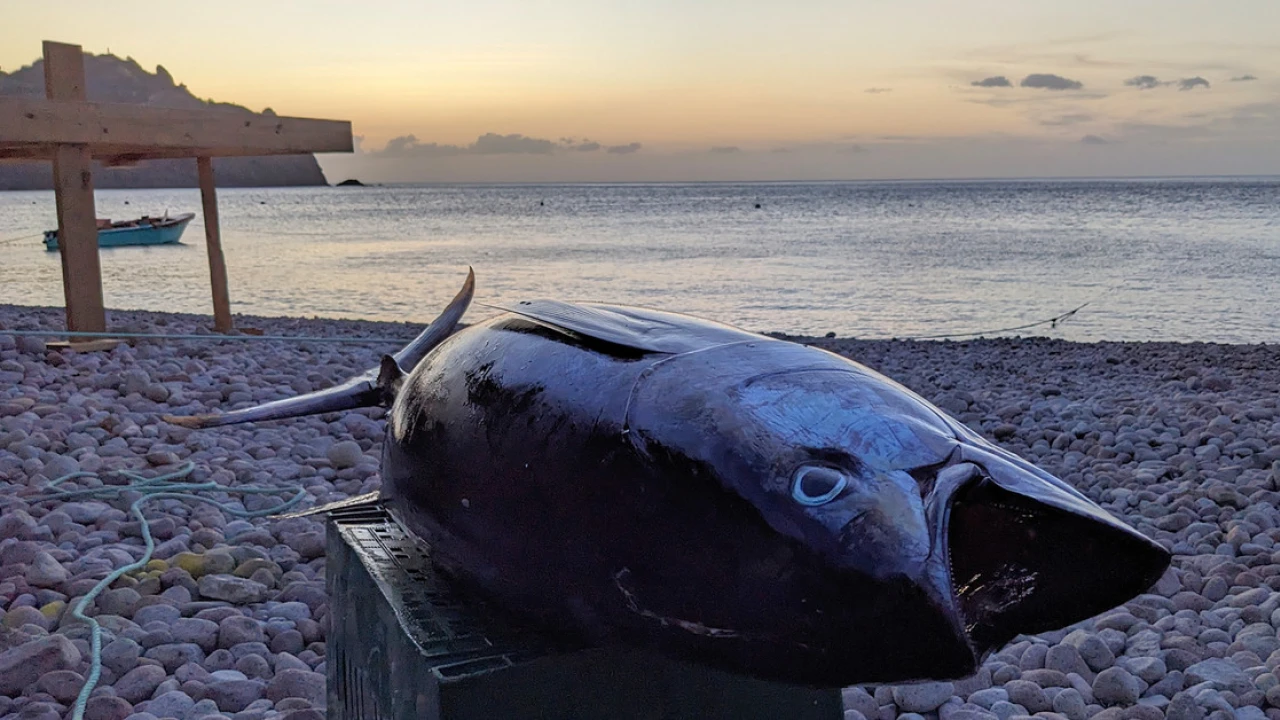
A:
<point x="229" y="619"/>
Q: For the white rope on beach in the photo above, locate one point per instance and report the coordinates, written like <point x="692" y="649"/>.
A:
<point x="1051" y="322"/>
<point x="20" y="238"/>
<point x="213" y="337"/>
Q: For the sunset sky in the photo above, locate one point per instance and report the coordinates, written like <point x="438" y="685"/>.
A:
<point x="526" y="90"/>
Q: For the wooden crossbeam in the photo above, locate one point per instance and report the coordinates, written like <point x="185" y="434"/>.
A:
<point x="119" y="129"/>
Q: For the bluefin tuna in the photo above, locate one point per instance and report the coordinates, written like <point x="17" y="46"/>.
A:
<point x="624" y="475"/>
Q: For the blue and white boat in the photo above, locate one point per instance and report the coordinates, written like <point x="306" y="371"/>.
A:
<point x="143" y="231"/>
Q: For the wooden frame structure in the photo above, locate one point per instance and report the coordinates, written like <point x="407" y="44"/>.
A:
<point x="70" y="131"/>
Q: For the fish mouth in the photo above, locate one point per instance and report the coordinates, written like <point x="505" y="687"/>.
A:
<point x="1017" y="565"/>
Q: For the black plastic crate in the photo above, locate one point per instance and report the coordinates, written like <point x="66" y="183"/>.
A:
<point x="402" y="646"/>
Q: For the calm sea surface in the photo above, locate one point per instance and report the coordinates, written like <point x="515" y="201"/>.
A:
<point x="1178" y="260"/>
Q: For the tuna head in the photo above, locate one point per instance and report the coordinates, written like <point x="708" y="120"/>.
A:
<point x="932" y="547"/>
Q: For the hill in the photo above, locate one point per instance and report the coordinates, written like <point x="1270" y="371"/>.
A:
<point x="111" y="79"/>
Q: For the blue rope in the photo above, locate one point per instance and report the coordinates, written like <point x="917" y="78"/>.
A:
<point x="156" y="488"/>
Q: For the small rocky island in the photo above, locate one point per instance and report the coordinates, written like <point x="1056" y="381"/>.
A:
<point x="110" y="79"/>
<point x="351" y="182"/>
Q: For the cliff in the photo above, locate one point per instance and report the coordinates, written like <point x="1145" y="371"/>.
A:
<point x="110" y="79"/>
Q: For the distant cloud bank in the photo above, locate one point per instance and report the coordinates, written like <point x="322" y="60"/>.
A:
<point x="1143" y="82"/>
<point x="1150" y="82"/>
<point x="996" y="81"/>
<point x="1049" y="81"/>
<point x="1243" y="78"/>
<point x="1038" y="81"/>
<point x="408" y="146"/>
<point x="877" y="90"/>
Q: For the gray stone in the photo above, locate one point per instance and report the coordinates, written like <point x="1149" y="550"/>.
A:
<point x="1006" y="710"/>
<point x="140" y="683"/>
<point x="1250" y="712"/>
<point x="1092" y="650"/>
<point x="300" y="684"/>
<point x="294" y="611"/>
<point x="45" y="572"/>
<point x="1224" y="675"/>
<point x="254" y="665"/>
<point x="120" y="601"/>
<point x="232" y="589"/>
<point x="23" y="665"/>
<point x="121" y="655"/>
<point x="1066" y="659"/>
<point x="107" y="707"/>
<point x="1070" y="704"/>
<point x="234" y="695"/>
<point x="1027" y="694"/>
<point x="852" y="698"/>
<point x="174" y="655"/>
<point x="922" y="697"/>
<point x="308" y="545"/>
<point x="174" y="703"/>
<point x="63" y="685"/>
<point x="344" y="454"/>
<point x="1116" y="686"/>
<point x="238" y="629"/>
<point x="855" y="698"/>
<point x="156" y="613"/>
<point x="194" y="630"/>
<point x="989" y="697"/>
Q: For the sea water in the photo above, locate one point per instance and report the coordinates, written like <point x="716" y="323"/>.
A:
<point x="1159" y="259"/>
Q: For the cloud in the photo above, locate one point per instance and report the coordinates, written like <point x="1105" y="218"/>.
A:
<point x="1067" y="119"/>
<point x="857" y="149"/>
<point x="877" y="90"/>
<point x="725" y="150"/>
<point x="1045" y="81"/>
<point x="1094" y="140"/>
<point x="1144" y="82"/>
<point x="408" y="146"/>
<point x="495" y="144"/>
<point x="487" y="144"/>
<point x="996" y="81"/>
<point x="1192" y="83"/>
<point x="1243" y="78"/>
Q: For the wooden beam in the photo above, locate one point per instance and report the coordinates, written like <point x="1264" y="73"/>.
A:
<point x="63" y="72"/>
<point x="73" y="195"/>
<point x="213" y="243"/>
<point x="131" y="129"/>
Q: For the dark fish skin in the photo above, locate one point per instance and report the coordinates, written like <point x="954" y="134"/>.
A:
<point x="621" y="475"/>
<point x="645" y="498"/>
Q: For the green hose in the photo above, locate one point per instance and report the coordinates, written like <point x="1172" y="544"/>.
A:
<point x="160" y="487"/>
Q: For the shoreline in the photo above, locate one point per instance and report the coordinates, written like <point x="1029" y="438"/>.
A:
<point x="51" y="318"/>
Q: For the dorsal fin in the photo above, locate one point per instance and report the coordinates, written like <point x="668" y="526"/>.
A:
<point x="647" y="330"/>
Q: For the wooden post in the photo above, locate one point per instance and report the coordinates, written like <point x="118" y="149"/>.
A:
<point x="213" y="243"/>
<point x="73" y="192"/>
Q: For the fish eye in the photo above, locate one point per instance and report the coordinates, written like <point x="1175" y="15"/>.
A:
<point x="817" y="484"/>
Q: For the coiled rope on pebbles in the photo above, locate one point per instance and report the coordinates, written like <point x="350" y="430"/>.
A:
<point x="168" y="486"/>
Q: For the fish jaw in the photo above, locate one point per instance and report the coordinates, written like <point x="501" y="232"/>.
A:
<point x="1023" y="564"/>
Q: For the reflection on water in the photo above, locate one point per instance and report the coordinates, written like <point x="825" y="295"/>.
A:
<point x="1158" y="260"/>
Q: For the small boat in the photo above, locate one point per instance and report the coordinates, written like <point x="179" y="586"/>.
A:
<point x="143" y="231"/>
